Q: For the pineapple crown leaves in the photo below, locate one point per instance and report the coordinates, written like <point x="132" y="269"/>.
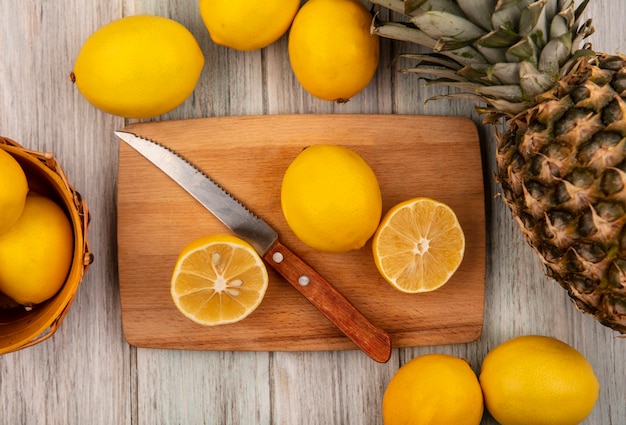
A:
<point x="503" y="52"/>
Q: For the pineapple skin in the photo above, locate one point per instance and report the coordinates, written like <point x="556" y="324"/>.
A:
<point x="562" y="168"/>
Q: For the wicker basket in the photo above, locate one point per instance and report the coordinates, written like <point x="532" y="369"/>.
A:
<point x="20" y="328"/>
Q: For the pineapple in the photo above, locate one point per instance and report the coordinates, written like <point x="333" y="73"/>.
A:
<point x="561" y="153"/>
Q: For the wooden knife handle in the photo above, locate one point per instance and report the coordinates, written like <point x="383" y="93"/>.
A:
<point x="327" y="299"/>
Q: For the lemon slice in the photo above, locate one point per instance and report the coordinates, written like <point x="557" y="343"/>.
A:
<point x="418" y="245"/>
<point x="218" y="279"/>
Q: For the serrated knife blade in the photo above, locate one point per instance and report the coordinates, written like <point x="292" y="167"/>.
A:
<point x="234" y="215"/>
<point x="212" y="196"/>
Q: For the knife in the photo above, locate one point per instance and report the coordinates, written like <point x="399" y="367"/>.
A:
<point x="314" y="287"/>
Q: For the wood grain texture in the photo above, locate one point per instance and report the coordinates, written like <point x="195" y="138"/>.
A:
<point x="248" y="156"/>
<point x="87" y="373"/>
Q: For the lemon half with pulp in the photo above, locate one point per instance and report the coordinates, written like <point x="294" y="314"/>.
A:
<point x="419" y="245"/>
<point x="218" y="279"/>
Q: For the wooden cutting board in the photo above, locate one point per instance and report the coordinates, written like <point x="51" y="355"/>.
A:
<point x="412" y="156"/>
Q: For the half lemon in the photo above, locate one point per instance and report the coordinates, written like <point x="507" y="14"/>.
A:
<point x="218" y="279"/>
<point x="418" y="245"/>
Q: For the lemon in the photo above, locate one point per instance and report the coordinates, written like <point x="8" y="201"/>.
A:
<point x="331" y="51"/>
<point x="36" y="252"/>
<point x="218" y="279"/>
<point x="138" y="66"/>
<point x="419" y="245"/>
<point x="538" y="380"/>
<point x="331" y="199"/>
<point x="13" y="190"/>
<point x="247" y="25"/>
<point x="433" y="389"/>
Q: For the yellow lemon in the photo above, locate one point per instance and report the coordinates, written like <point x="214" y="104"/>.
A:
<point x="36" y="252"/>
<point x="433" y="389"/>
<point x="218" y="279"/>
<point x="138" y="66"/>
<point x="247" y="25"/>
<point x="331" y="50"/>
<point x="331" y="199"/>
<point x="419" y="245"/>
<point x="538" y="380"/>
<point x="13" y="190"/>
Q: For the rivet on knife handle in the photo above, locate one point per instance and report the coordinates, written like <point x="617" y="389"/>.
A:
<point x="315" y="288"/>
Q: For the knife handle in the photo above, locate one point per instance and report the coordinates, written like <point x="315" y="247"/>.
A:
<point x="327" y="299"/>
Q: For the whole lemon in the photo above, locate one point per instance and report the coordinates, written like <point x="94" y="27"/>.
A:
<point x="36" y="252"/>
<point x="538" y="380"/>
<point x="331" y="199"/>
<point x="331" y="50"/>
<point x="433" y="389"/>
<point x="138" y="66"/>
<point x="246" y="25"/>
<point x="13" y="190"/>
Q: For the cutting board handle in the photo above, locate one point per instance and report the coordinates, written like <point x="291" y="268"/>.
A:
<point x="327" y="299"/>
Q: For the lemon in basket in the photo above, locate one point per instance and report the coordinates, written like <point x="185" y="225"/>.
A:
<point x="13" y="190"/>
<point x="218" y="279"/>
<point x="36" y="252"/>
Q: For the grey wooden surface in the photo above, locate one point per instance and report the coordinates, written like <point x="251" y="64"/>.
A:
<point x="87" y="374"/>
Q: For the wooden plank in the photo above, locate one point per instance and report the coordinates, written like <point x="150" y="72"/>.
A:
<point x="248" y="156"/>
